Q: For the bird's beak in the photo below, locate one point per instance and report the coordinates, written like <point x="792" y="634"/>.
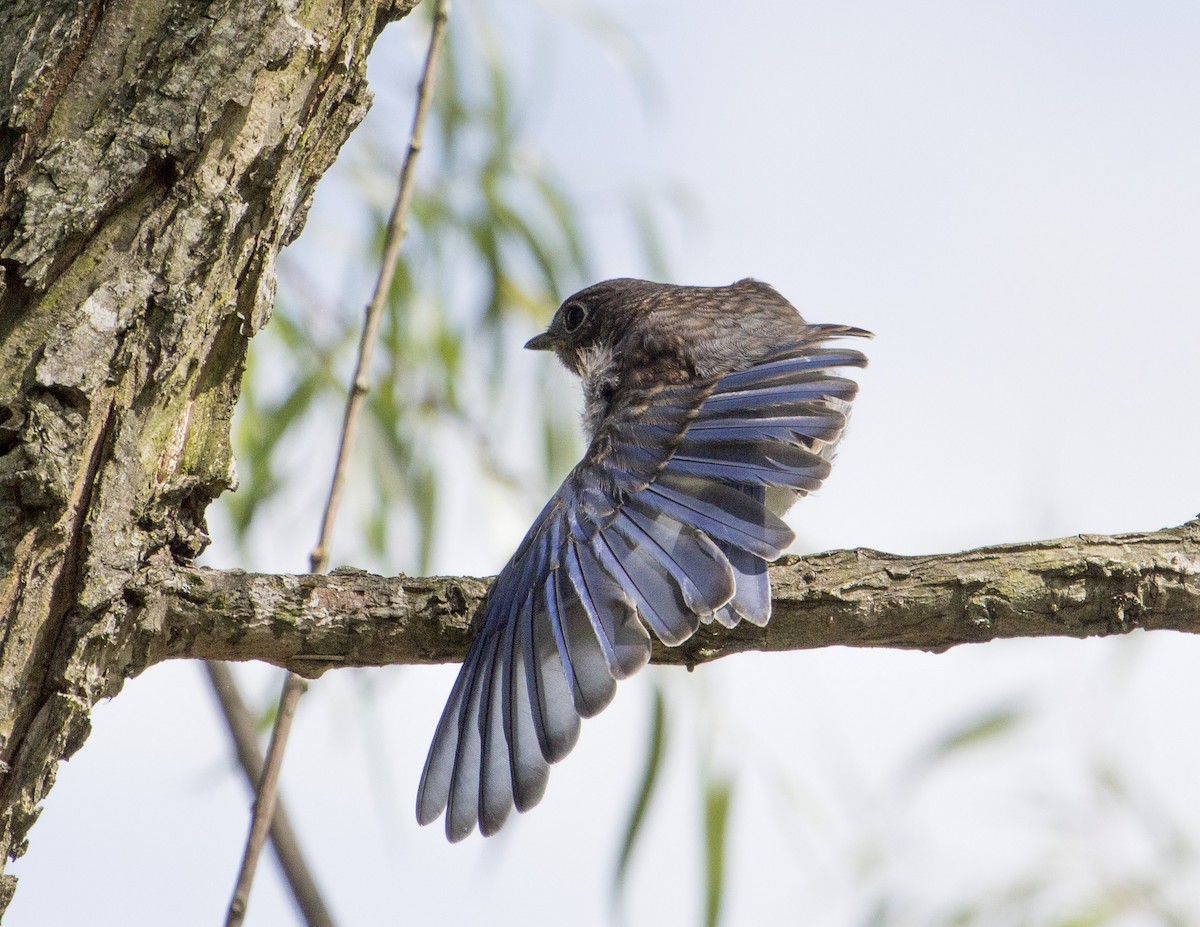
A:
<point x="542" y="342"/>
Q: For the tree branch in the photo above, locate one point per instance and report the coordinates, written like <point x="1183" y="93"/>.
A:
<point x="1081" y="586"/>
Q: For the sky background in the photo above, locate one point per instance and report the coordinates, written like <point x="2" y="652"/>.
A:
<point x="1008" y="196"/>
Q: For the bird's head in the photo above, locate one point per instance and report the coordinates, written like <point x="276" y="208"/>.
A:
<point x="594" y="320"/>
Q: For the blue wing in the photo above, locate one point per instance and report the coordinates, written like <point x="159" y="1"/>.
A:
<point x="665" y="523"/>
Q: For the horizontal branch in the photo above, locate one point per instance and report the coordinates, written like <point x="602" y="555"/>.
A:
<point x="1081" y="586"/>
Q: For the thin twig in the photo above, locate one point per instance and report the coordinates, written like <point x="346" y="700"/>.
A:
<point x="264" y="805"/>
<point x="319" y="558"/>
<point x="396" y="230"/>
<point x="241" y="725"/>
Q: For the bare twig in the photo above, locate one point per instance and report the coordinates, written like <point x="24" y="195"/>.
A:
<point x="264" y="805"/>
<point x="397" y="227"/>
<point x="241" y="725"/>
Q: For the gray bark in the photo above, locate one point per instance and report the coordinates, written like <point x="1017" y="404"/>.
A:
<point x="155" y="155"/>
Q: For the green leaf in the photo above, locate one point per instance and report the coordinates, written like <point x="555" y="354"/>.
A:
<point x="566" y="216"/>
<point x="637" y="814"/>
<point x="717" y="793"/>
<point x="988" y="725"/>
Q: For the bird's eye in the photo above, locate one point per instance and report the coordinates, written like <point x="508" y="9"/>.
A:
<point x="573" y="316"/>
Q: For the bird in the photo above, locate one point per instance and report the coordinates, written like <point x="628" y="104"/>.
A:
<point x="708" y="411"/>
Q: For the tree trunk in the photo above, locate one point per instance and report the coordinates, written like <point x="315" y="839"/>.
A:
<point x="155" y="155"/>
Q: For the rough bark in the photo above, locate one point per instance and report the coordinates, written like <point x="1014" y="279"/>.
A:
<point x="155" y="155"/>
<point x="1074" y="587"/>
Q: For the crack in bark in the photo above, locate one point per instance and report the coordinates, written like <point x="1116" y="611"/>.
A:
<point x="14" y="585"/>
<point x="67" y="583"/>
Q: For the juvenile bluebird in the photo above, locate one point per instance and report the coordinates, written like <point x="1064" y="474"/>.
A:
<point x="708" y="411"/>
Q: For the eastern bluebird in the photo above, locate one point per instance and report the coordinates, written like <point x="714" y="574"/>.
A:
<point x="709" y="410"/>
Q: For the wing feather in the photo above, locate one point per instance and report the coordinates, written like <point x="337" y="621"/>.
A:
<point x="664" y="524"/>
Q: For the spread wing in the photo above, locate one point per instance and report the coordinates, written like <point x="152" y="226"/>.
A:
<point x="665" y="523"/>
